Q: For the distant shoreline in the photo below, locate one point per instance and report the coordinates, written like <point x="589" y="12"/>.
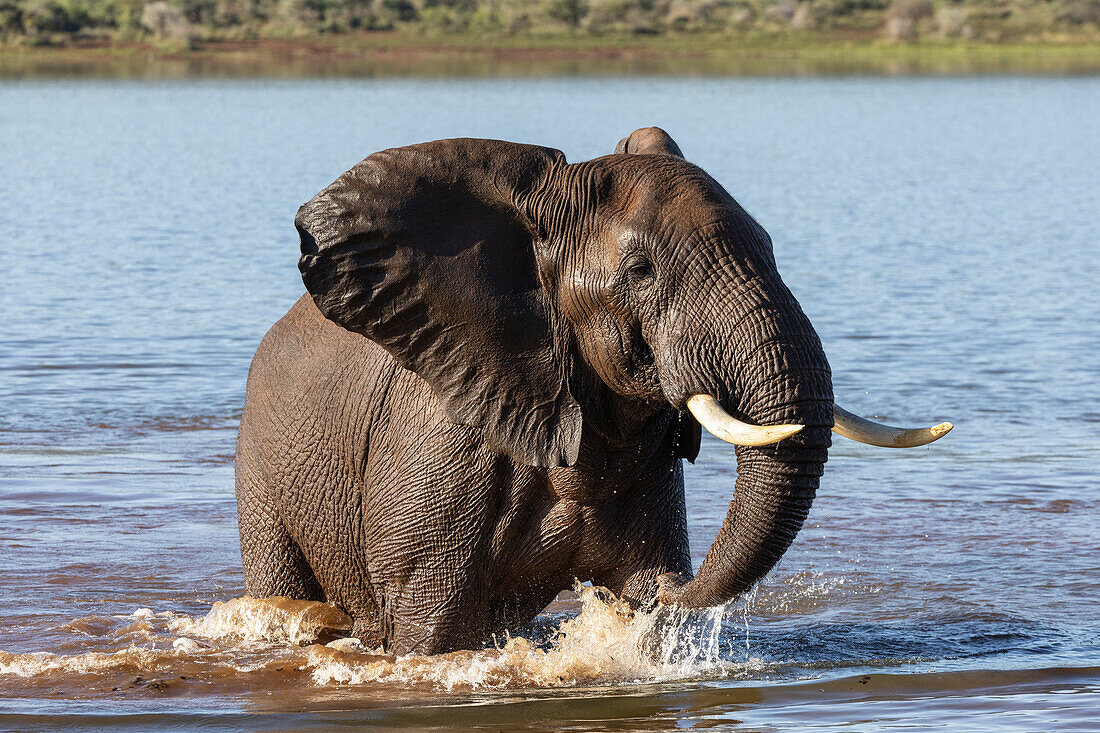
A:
<point x="393" y="53"/>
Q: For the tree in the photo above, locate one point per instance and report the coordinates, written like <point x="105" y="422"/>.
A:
<point x="570" y="12"/>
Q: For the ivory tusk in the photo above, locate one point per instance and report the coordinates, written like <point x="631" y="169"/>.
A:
<point x="862" y="430"/>
<point x="723" y="425"/>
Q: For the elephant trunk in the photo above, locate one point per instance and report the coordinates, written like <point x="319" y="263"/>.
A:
<point x="774" y="491"/>
<point x="771" y="371"/>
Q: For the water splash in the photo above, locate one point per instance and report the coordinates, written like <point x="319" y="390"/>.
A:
<point x="271" y="620"/>
<point x="604" y="643"/>
<point x="45" y="664"/>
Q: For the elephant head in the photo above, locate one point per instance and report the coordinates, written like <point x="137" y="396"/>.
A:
<point x="541" y="300"/>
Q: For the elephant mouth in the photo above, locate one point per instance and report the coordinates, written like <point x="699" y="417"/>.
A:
<point x="725" y="426"/>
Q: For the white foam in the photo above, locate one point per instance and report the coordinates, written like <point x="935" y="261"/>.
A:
<point x="269" y="620"/>
<point x="188" y="646"/>
<point x="604" y="643"/>
<point x="348" y="644"/>
<point x="43" y="663"/>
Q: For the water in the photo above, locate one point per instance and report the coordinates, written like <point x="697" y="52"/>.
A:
<point x="941" y="234"/>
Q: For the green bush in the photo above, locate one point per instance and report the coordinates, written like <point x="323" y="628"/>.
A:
<point x="1080" y="12"/>
<point x="50" y="16"/>
<point x="569" y="12"/>
<point x="11" y="18"/>
<point x="166" y="22"/>
<point x="899" y="20"/>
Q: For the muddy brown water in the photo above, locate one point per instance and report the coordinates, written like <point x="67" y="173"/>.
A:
<point x="941" y="234"/>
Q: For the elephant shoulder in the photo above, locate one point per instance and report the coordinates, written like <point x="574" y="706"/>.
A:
<point x="305" y="354"/>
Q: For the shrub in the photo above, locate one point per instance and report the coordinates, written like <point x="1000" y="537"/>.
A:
<point x="742" y="16"/>
<point x="299" y="14"/>
<point x="47" y="21"/>
<point x="781" y="12"/>
<point x="849" y="7"/>
<point x="1081" y="12"/>
<point x="569" y="12"/>
<point x="903" y="16"/>
<point x="695" y="14"/>
<point x="914" y="10"/>
<point x="48" y="16"/>
<point x="166" y="22"/>
<point x="11" y="18"/>
<point x="812" y="15"/>
<point x="632" y="16"/>
<point x="388" y="13"/>
<point x="953" y="22"/>
<point x="485" y="21"/>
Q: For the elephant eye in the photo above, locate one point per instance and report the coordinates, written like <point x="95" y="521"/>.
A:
<point x="639" y="271"/>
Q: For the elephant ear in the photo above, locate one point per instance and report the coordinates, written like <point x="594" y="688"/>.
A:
<point x="425" y="251"/>
<point x="649" y="141"/>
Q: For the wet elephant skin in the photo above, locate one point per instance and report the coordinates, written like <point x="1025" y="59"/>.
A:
<point x="482" y="396"/>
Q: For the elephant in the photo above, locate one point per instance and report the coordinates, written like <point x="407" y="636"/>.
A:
<point x="489" y="388"/>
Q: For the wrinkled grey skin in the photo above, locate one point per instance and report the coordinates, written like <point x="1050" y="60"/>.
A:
<point x="482" y="397"/>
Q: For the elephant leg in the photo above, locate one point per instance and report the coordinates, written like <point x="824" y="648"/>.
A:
<point x="641" y="588"/>
<point x="434" y="616"/>
<point x="515" y="612"/>
<point x="273" y="563"/>
<point x="274" y="566"/>
<point x="650" y="548"/>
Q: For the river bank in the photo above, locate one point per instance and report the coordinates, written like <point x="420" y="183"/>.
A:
<point x="387" y="53"/>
